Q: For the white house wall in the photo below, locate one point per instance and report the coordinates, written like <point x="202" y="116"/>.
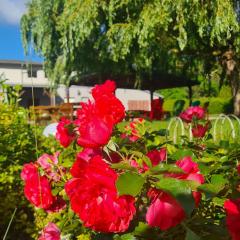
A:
<point x="17" y="76"/>
<point x="82" y="94"/>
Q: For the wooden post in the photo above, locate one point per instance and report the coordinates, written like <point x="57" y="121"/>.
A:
<point x="67" y="94"/>
<point x="151" y="94"/>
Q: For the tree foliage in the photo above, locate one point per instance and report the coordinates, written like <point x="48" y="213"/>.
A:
<point x="129" y="36"/>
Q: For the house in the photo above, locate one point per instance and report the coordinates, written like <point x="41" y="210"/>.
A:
<point x="34" y="82"/>
<point x="21" y="73"/>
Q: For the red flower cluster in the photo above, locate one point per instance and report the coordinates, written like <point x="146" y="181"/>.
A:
<point x="165" y="212"/>
<point x="199" y="130"/>
<point x="50" y="232"/>
<point x="191" y="113"/>
<point x="95" y="120"/>
<point x="195" y="113"/>
<point x="232" y="208"/>
<point x="93" y="196"/>
<point x="132" y="130"/>
<point x="37" y="188"/>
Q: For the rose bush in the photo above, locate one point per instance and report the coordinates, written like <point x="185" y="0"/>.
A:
<point x="134" y="184"/>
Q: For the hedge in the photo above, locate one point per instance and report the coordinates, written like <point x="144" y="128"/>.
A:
<point x="216" y="105"/>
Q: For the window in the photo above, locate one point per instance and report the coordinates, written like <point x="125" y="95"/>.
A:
<point x="32" y="73"/>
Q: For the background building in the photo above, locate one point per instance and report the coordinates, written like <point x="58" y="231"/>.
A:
<point x="33" y="76"/>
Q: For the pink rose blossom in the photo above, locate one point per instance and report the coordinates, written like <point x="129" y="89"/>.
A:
<point x="192" y="112"/>
<point x="50" y="232"/>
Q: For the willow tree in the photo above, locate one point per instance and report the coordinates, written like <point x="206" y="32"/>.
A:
<point x="76" y="37"/>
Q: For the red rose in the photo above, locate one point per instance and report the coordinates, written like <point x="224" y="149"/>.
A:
<point x="93" y="196"/>
<point x="157" y="156"/>
<point x="29" y="171"/>
<point x="107" y="88"/>
<point x="38" y="191"/>
<point x="192" y="112"/>
<point x="110" y="109"/>
<point x="50" y="232"/>
<point x="64" y="133"/>
<point x="93" y="131"/>
<point x="232" y="208"/>
<point x="164" y="212"/>
<point x="191" y="172"/>
<point x="87" y="153"/>
<point x="199" y="131"/>
<point x="37" y="188"/>
<point x="57" y="205"/>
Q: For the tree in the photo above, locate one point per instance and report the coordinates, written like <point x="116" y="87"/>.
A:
<point x="136" y="37"/>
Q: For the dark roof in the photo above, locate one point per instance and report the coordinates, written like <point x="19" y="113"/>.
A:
<point x="158" y="81"/>
<point x="19" y="63"/>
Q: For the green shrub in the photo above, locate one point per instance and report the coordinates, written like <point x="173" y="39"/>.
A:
<point x="225" y="92"/>
<point x="168" y="104"/>
<point x="17" y="146"/>
<point x="217" y="105"/>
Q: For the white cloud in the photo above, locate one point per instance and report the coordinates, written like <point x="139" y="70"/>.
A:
<point x="12" y="10"/>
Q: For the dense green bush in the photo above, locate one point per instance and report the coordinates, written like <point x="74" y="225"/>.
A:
<point x="225" y="92"/>
<point x="17" y="146"/>
<point x="217" y="105"/>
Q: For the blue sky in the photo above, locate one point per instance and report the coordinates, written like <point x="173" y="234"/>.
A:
<point x="10" y="37"/>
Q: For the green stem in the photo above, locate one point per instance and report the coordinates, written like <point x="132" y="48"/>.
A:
<point x="9" y="224"/>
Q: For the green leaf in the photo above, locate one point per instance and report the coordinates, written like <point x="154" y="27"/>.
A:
<point x="210" y="189"/>
<point x="182" y="153"/>
<point x="144" y="231"/>
<point x="128" y="236"/>
<point x="179" y="189"/>
<point x="67" y="163"/>
<point x="123" y="166"/>
<point x="141" y="229"/>
<point x="224" y="143"/>
<point x="209" y="159"/>
<point x="142" y="157"/>
<point x="165" y="168"/>
<point x="218" y="179"/>
<point x="219" y="201"/>
<point x="129" y="183"/>
<point x="224" y="159"/>
<point x="190" y="235"/>
<point x="171" y="149"/>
